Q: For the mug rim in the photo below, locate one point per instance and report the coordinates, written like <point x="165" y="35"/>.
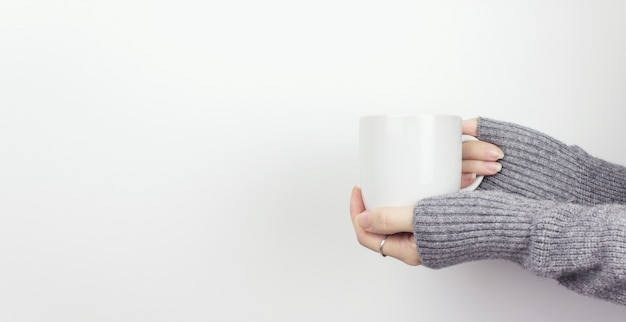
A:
<point x="409" y="115"/>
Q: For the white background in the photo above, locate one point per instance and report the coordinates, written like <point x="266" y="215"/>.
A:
<point x="192" y="161"/>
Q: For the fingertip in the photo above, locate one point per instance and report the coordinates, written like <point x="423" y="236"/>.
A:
<point x="495" y="153"/>
<point x="356" y="201"/>
<point x="354" y="191"/>
<point x="493" y="167"/>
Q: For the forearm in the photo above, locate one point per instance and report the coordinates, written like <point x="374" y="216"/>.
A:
<point x="584" y="247"/>
<point x="538" y="166"/>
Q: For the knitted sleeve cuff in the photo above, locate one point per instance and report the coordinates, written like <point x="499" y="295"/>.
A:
<point x="534" y="164"/>
<point x="538" y="166"/>
<point x="583" y="247"/>
<point x="457" y="228"/>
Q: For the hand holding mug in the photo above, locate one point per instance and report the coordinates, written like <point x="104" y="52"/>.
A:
<point x="373" y="225"/>
<point x="479" y="158"/>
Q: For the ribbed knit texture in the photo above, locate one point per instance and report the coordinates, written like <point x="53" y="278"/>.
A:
<point x="537" y="212"/>
<point x="538" y="166"/>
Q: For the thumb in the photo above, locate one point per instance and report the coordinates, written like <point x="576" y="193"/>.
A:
<point x="387" y="220"/>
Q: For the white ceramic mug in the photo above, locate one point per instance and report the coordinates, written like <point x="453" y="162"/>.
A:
<point x="405" y="158"/>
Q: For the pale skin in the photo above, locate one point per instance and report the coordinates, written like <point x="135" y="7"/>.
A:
<point x="371" y="226"/>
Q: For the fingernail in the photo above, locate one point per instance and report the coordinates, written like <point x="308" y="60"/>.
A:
<point x="493" y="166"/>
<point x="364" y="220"/>
<point x="496" y="154"/>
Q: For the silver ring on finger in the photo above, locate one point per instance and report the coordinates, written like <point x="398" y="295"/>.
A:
<point x="382" y="243"/>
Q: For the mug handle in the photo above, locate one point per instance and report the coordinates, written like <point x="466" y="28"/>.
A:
<point x="479" y="179"/>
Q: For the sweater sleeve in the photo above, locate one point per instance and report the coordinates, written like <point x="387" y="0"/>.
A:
<point x="538" y="166"/>
<point x="581" y="246"/>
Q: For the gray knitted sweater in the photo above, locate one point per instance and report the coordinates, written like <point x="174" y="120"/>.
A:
<point x="553" y="209"/>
